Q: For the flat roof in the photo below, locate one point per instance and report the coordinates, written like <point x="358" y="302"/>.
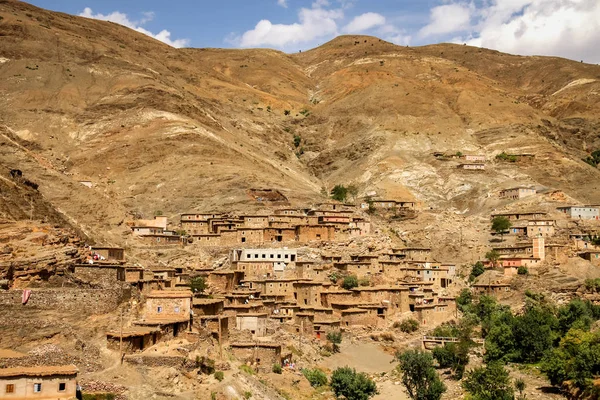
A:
<point x="162" y="321"/>
<point x="256" y="344"/>
<point x="39" y="371"/>
<point x="172" y="294"/>
<point x="133" y="331"/>
<point x="202" y="302"/>
<point x="252" y="315"/>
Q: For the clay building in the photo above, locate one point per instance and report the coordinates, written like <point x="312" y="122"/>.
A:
<point x="207" y="240"/>
<point x="360" y="269"/>
<point x="413" y="253"/>
<point x="261" y="354"/>
<point x="109" y="254"/>
<point x="215" y="325"/>
<point x="492" y="289"/>
<point x="513" y="216"/>
<point x="40" y="382"/>
<point x="517" y="193"/>
<point x="195" y="226"/>
<point x="308" y="233"/>
<point x="474" y="157"/>
<point x="167" y="309"/>
<point x="225" y="281"/>
<point x="581" y="212"/>
<point x="207" y="306"/>
<point x="162" y="239"/>
<point x="132" y="339"/>
<point x="290" y="211"/>
<point x="256" y="323"/>
<point x="592" y="256"/>
<point x="105" y="275"/>
<point x="394" y="298"/>
<point x="146" y="230"/>
<point x="334" y="206"/>
<point x="361" y="317"/>
<point x="308" y="293"/>
<point x="471" y="166"/>
<point x="255" y="221"/>
<point x="200" y="216"/>
<point x="274" y="234"/>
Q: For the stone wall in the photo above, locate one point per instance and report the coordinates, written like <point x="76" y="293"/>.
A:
<point x="87" y="301"/>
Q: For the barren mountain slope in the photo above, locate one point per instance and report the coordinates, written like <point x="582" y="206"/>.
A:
<point x="157" y="128"/>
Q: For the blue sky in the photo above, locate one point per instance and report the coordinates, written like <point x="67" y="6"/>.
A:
<point x="545" y="27"/>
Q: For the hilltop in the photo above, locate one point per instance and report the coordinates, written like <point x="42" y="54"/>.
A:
<point x="158" y="129"/>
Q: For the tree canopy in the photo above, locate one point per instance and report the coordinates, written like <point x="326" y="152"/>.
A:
<point x="491" y="382"/>
<point x="352" y="385"/>
<point x="419" y="375"/>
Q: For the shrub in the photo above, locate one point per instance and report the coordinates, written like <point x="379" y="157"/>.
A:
<point x="206" y="365"/>
<point x="286" y="112"/>
<point x="315" y="376"/>
<point x="198" y="284"/>
<point x="408" y="325"/>
<point x="476" y="270"/>
<point x="522" y="270"/>
<point x="339" y="193"/>
<point x="491" y="382"/>
<point x="350" y="282"/>
<point x="297" y="140"/>
<point x="247" y="369"/>
<point x="219" y="375"/>
<point x="352" y="385"/>
<point x="247" y="394"/>
<point x="277" y="369"/>
<point x="364" y="282"/>
<point x="335" y="338"/>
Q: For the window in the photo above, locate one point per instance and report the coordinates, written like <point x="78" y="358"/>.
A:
<point x="62" y="386"/>
<point x="10" y="388"/>
<point x="159" y="309"/>
<point x="37" y="387"/>
<point x="176" y="309"/>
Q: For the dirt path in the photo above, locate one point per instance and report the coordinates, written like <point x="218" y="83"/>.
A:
<point x="365" y="357"/>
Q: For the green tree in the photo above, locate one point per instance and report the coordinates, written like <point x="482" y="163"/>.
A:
<point x="198" y="284"/>
<point x="535" y="332"/>
<point x="493" y="256"/>
<point x="352" y="385"/>
<point x="501" y="224"/>
<point x="476" y="270"/>
<point x="335" y="338"/>
<point x="464" y="300"/>
<point x="350" y="282"/>
<point x="491" y="382"/>
<point x="522" y="270"/>
<point x="339" y="193"/>
<point x="371" y="205"/>
<point x="419" y="375"/>
<point x="315" y="376"/>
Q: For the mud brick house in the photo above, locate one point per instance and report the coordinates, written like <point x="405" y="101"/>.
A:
<point x="146" y="230"/>
<point x="290" y="211"/>
<point x="363" y="316"/>
<point x="194" y="226"/>
<point x="413" y="253"/>
<point x="364" y="258"/>
<point x="41" y="382"/>
<point x="134" y="339"/>
<point x="360" y="269"/>
<point x="256" y="323"/>
<point x="333" y="206"/>
<point x="382" y="204"/>
<point x="263" y="262"/>
<point x="211" y="239"/>
<point x="311" y="270"/>
<point x="207" y="306"/>
<point x="225" y="281"/>
<point x="167" y="309"/>
<point x="541" y="227"/>
<point x="106" y="275"/>
<point x="279" y="234"/>
<point x="308" y="293"/>
<point x="492" y="289"/>
<point x="215" y="325"/>
<point x="322" y="327"/>
<point x="581" y="212"/>
<point x="471" y="166"/>
<point x="336" y="296"/>
<point x="308" y="233"/>
<point x="517" y="193"/>
<point x="200" y="216"/>
<point x="162" y="239"/>
<point x="592" y="256"/>
<point x="432" y="313"/>
<point x="474" y="158"/>
<point x="255" y="221"/>
<point x="110" y="254"/>
<point x="514" y="216"/>
<point x="362" y="225"/>
<point x="156" y="222"/>
<point x="262" y="354"/>
<point x="285" y="310"/>
<point x="395" y="298"/>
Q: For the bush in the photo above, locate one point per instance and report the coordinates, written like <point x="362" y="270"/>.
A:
<point x="350" y="282"/>
<point x="286" y="112"/>
<point x="476" y="270"/>
<point x="297" y="140"/>
<point x="446" y="329"/>
<point x="522" y="270"/>
<point x="315" y="376"/>
<point x="339" y="193"/>
<point x="277" y="369"/>
<point x="491" y="382"/>
<point x="408" y="325"/>
<point x="247" y="369"/>
<point x="335" y="338"/>
<point x="219" y="375"/>
<point x="364" y="282"/>
<point x="352" y="385"/>
<point x="198" y="284"/>
<point x="206" y="365"/>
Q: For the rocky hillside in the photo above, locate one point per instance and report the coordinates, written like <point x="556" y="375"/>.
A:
<point x="152" y="128"/>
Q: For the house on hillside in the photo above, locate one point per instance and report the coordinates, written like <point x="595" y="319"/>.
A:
<point x="581" y="212"/>
<point x="471" y="166"/>
<point x="517" y="193"/>
<point x="39" y="382"/>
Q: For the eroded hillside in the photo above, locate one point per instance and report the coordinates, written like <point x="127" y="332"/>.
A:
<point x="153" y="128"/>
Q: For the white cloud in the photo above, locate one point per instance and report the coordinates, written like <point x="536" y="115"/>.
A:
<point x="313" y="23"/>
<point x="282" y="3"/>
<point x="122" y="19"/>
<point x="446" y="19"/>
<point x="567" y="28"/>
<point x="364" y="22"/>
